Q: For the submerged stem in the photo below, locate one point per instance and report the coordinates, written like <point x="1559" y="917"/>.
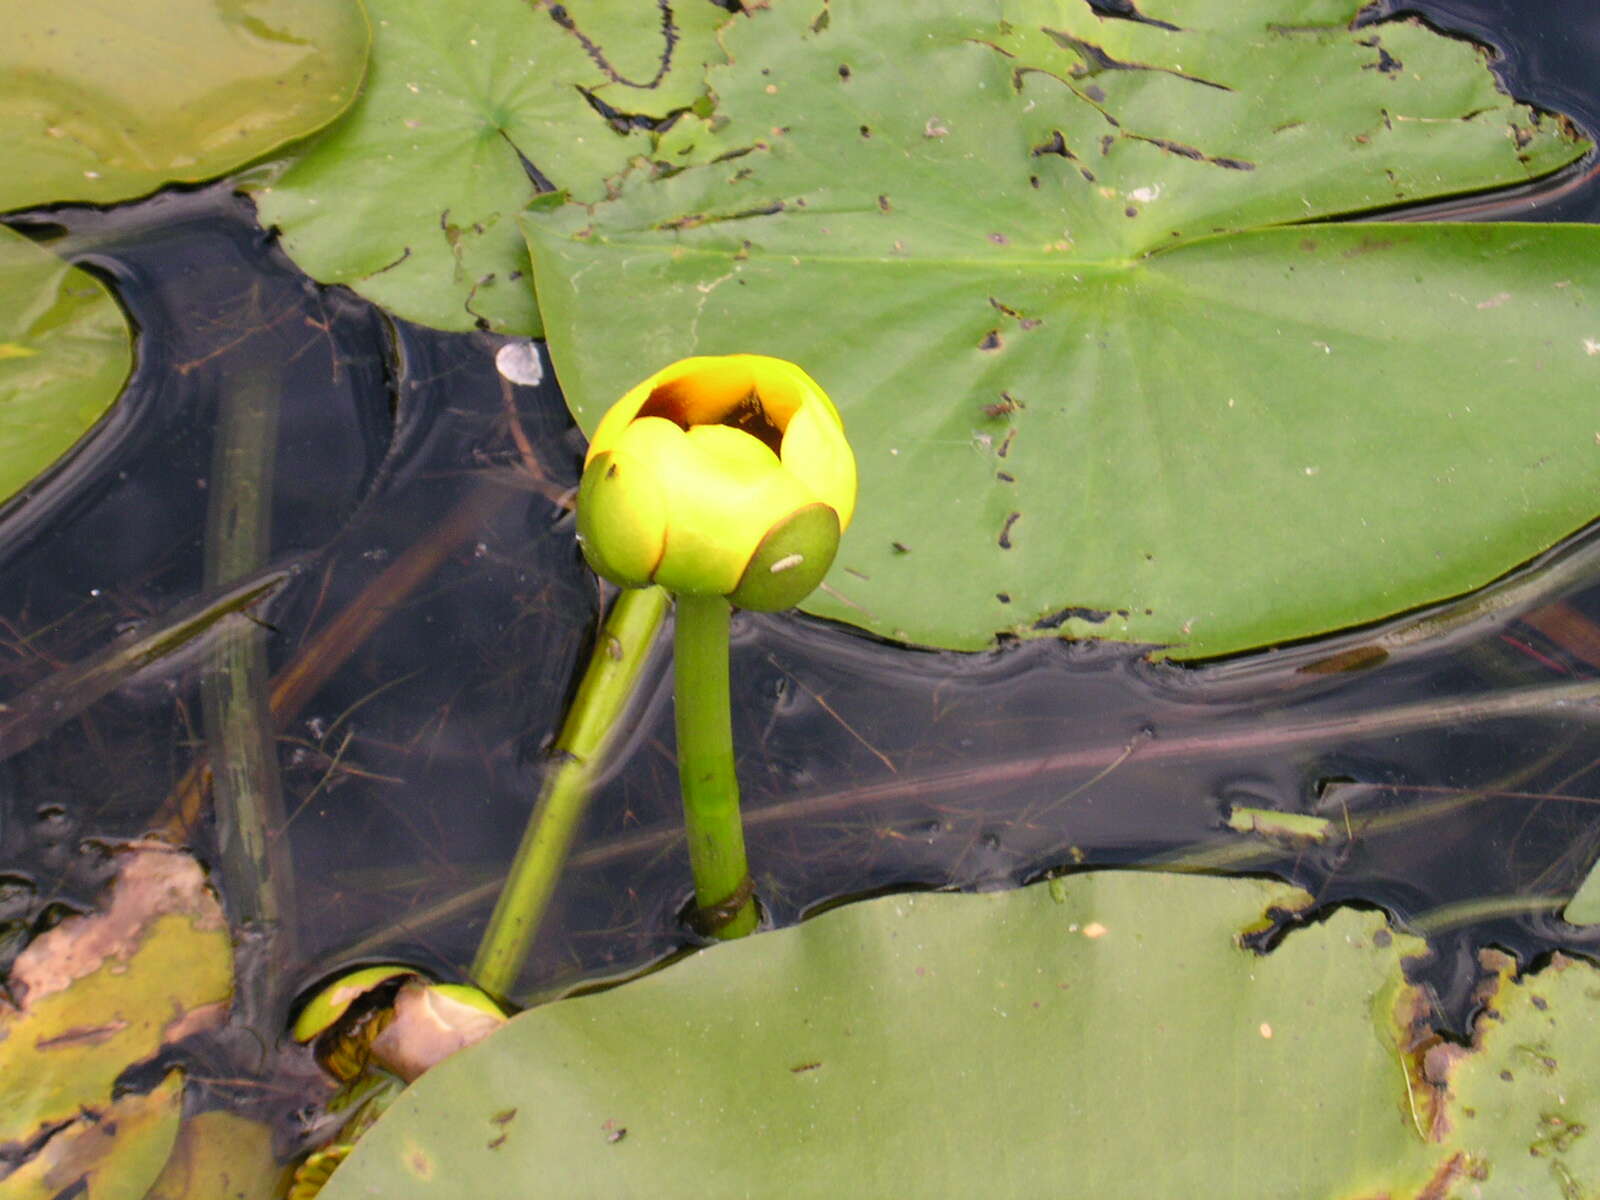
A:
<point x="253" y="853"/>
<point x="1483" y="908"/>
<point x="331" y="647"/>
<point x="722" y="887"/>
<point x="580" y="751"/>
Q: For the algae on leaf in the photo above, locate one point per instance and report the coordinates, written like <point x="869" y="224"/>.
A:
<point x="1052" y="264"/>
<point x="105" y="100"/>
<point x="470" y="111"/>
<point x="1522" y="1101"/>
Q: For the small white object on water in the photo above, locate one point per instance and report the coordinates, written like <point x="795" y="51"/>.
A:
<point x="519" y="362"/>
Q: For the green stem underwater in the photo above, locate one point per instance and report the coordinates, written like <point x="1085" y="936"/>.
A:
<point x="580" y="751"/>
<point x="252" y="849"/>
<point x="722" y="887"/>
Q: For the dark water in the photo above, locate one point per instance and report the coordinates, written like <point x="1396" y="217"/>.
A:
<point x="410" y="773"/>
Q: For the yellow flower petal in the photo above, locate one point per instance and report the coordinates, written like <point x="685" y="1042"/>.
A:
<point x="815" y="451"/>
<point x="622" y="516"/>
<point x="618" y="417"/>
<point x="706" y="389"/>
<point x="785" y="388"/>
<point x="701" y="391"/>
<point x="732" y="452"/>
<point x="727" y="491"/>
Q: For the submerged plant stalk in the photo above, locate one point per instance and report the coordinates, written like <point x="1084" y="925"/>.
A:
<point x="724" y="895"/>
<point x="580" y="752"/>
<point x="320" y="657"/>
<point x="253" y="851"/>
<point x="52" y="702"/>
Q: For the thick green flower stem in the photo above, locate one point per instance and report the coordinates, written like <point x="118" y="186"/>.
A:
<point x="608" y="685"/>
<point x="722" y="887"/>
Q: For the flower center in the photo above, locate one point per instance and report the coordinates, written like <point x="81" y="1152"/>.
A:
<point x="676" y="402"/>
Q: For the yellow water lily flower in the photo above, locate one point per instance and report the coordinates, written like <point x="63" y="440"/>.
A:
<point x="719" y="476"/>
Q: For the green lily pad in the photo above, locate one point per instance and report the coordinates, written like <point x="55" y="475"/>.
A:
<point x="113" y="1154"/>
<point x="106" y="101"/>
<point x="1529" y="1085"/>
<point x="64" y="354"/>
<point x="218" y="1154"/>
<point x="101" y="992"/>
<point x="1584" y="907"/>
<point x="1107" y="1029"/>
<point x="469" y="112"/>
<point x="1052" y="279"/>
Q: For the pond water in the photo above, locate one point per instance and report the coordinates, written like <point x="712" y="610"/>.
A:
<point x="416" y="483"/>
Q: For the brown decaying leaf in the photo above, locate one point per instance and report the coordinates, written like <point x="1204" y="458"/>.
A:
<point x="106" y="990"/>
<point x="154" y="880"/>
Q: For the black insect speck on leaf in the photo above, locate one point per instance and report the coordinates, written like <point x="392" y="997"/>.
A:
<point x="1056" y="143"/>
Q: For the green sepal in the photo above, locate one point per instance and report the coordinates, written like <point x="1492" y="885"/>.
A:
<point x="790" y="561"/>
<point x="333" y="1001"/>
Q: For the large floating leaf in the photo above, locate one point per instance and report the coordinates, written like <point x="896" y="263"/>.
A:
<point x="1520" y="1104"/>
<point x="221" y="1156"/>
<point x="64" y="353"/>
<point x="412" y="200"/>
<point x="1107" y="1029"/>
<point x="1089" y="392"/>
<point x="108" y="99"/>
<point x="112" y="1154"/>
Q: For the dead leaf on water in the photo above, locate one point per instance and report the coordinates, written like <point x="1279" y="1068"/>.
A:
<point x="103" y="991"/>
